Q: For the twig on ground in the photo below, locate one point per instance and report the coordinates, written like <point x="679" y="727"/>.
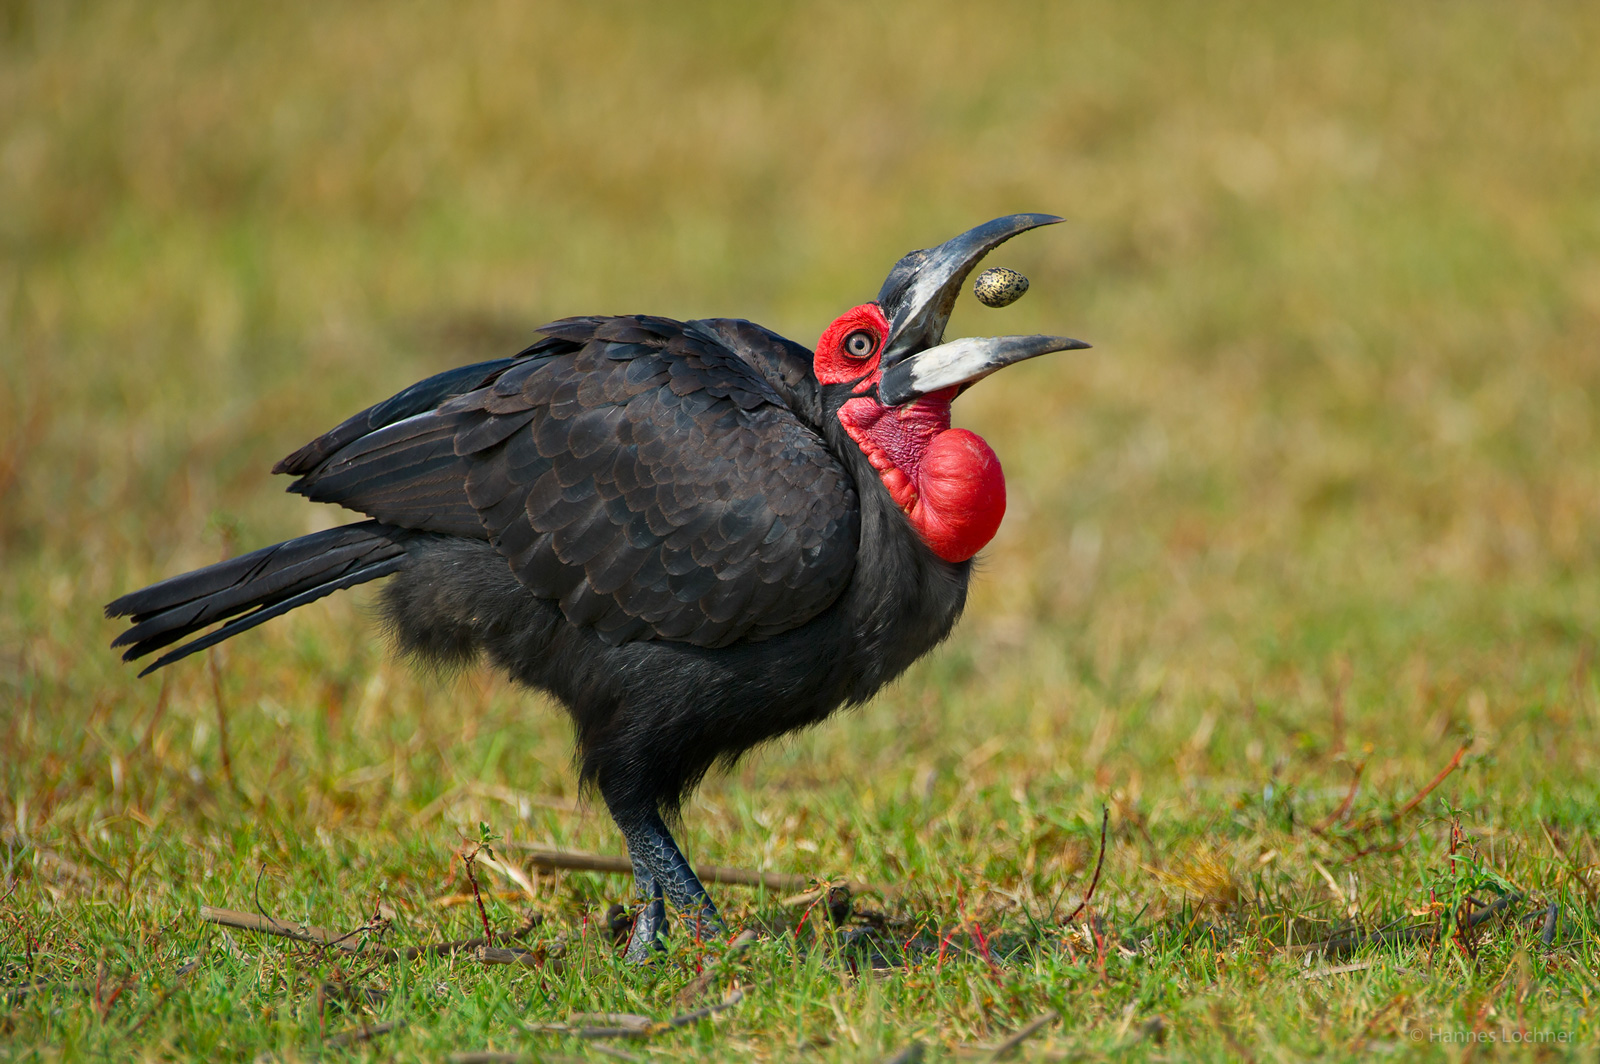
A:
<point x="1357" y="966"/>
<point x="492" y="1056"/>
<point x="364" y="1033"/>
<point x="684" y="1019"/>
<point x="1336" y="969"/>
<point x="612" y="1019"/>
<point x="547" y="860"/>
<point x="496" y="955"/>
<point x="349" y="994"/>
<point x="629" y="1025"/>
<point x="307" y="933"/>
<point x="1105" y="818"/>
<point x="1027" y="1031"/>
<point x="320" y="936"/>
<point x="593" y="1025"/>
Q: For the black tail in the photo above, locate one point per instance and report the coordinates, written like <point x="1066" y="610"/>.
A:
<point x="259" y="585"/>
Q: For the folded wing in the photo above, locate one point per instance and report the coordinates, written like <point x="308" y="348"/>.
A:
<point x="636" y="470"/>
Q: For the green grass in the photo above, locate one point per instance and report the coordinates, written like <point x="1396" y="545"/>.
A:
<point x="1324" y="496"/>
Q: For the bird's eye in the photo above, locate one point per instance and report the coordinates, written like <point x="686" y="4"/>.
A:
<point x="860" y="344"/>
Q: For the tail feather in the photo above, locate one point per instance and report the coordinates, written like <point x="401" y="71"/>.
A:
<point x="254" y="587"/>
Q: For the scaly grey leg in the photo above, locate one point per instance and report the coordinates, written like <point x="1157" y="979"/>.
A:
<point x="651" y="926"/>
<point x="660" y="869"/>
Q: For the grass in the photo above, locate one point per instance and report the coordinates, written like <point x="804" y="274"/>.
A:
<point x="1322" y="501"/>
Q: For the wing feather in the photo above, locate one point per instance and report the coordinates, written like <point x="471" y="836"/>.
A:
<point x="648" y="475"/>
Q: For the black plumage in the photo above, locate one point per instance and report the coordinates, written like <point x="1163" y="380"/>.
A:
<point x="662" y="524"/>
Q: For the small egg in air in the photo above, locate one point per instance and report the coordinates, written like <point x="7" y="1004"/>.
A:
<point x="999" y="287"/>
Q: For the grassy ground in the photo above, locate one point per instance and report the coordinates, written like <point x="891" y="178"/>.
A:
<point x="1321" y="506"/>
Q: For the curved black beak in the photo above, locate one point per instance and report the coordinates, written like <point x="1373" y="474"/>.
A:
<point x="918" y="297"/>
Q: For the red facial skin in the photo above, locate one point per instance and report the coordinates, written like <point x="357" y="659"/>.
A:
<point x="947" y="481"/>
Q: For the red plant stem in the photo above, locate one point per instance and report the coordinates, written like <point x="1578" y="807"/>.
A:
<point x="978" y="935"/>
<point x="801" y="926"/>
<point x="1455" y="762"/>
<point x="1105" y="818"/>
<point x="1344" y="807"/>
<point x="483" y="914"/>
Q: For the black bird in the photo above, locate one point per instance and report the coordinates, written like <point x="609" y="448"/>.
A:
<point x="696" y="536"/>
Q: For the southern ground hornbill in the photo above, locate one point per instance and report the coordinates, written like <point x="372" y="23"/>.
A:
<point x="696" y="536"/>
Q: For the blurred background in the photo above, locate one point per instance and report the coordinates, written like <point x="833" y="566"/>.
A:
<point x="1328" y="481"/>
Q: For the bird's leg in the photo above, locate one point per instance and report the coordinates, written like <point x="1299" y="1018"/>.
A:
<point x="658" y="862"/>
<point x="651" y="924"/>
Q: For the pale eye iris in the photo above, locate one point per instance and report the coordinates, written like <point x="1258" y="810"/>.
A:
<point x="859" y="344"/>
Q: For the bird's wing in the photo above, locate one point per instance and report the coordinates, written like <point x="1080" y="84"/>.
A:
<point x="636" y="470"/>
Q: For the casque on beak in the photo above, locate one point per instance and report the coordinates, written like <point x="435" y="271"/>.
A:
<point x="918" y="297"/>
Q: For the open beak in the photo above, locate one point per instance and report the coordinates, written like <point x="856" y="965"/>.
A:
<point x="918" y="297"/>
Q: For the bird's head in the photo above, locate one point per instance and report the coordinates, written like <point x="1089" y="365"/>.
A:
<point x="889" y="379"/>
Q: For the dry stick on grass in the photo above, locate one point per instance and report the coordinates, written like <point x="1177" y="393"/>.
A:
<point x="1358" y="966"/>
<point x="547" y="860"/>
<point x="1032" y="1027"/>
<point x="320" y="936"/>
<point x="364" y="1033"/>
<point x="496" y="955"/>
<point x="1105" y="818"/>
<point x="307" y="933"/>
<point x="627" y="1025"/>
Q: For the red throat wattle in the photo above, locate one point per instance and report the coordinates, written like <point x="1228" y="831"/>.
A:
<point x="947" y="481"/>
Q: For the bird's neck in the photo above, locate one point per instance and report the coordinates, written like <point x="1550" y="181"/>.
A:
<point x="903" y="599"/>
<point x="946" y="481"/>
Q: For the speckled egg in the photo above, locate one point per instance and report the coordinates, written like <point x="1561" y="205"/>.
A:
<point x="999" y="287"/>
